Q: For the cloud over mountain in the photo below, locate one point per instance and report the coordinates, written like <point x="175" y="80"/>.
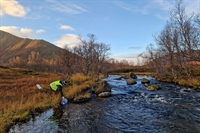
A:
<point x="12" y="8"/>
<point x="67" y="39"/>
<point x="21" y="32"/>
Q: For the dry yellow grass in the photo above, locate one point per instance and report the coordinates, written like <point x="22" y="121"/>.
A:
<point x="20" y="97"/>
<point x="80" y="83"/>
<point x="194" y="82"/>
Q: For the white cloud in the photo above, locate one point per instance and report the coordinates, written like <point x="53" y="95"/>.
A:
<point x="71" y="46"/>
<point x="66" y="27"/>
<point x="163" y="4"/>
<point x="1" y="11"/>
<point x="26" y="31"/>
<point x="128" y="57"/>
<point x="12" y="8"/>
<point x="21" y="32"/>
<point x="162" y="17"/>
<point x="67" y="39"/>
<point x="143" y="9"/>
<point x="191" y="6"/>
<point x="40" y="31"/>
<point x="66" y="7"/>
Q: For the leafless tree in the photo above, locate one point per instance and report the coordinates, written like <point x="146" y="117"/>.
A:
<point x="188" y="38"/>
<point x="68" y="60"/>
<point x="177" y="45"/>
<point x="93" y="54"/>
<point x="85" y="51"/>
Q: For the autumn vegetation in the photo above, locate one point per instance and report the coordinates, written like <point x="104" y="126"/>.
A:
<point x="20" y="98"/>
<point x="175" y="57"/>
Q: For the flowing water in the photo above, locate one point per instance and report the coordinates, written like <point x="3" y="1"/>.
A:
<point x="130" y="109"/>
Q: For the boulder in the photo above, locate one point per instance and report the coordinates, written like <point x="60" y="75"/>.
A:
<point x="104" y="94"/>
<point x="130" y="81"/>
<point x="129" y="75"/>
<point x="103" y="86"/>
<point x="152" y="88"/>
<point x="146" y="84"/>
<point x="119" y="78"/>
<point x="125" y="76"/>
<point x="132" y="75"/>
<point x="145" y="81"/>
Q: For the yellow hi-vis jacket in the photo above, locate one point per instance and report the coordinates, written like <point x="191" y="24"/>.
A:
<point x="54" y="85"/>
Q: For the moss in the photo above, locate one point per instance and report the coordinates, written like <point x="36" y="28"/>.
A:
<point x="152" y="88"/>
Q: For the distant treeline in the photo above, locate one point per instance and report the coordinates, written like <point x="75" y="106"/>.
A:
<point x="142" y="69"/>
<point x="89" y="58"/>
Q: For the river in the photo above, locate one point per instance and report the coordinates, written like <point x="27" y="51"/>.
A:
<point x="130" y="109"/>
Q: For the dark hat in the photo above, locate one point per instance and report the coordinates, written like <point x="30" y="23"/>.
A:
<point x="63" y="82"/>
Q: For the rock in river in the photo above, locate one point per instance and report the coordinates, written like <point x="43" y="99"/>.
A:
<point x="104" y="94"/>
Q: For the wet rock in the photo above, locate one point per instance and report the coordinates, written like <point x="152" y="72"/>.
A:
<point x="125" y="76"/>
<point x="152" y="88"/>
<point x="119" y="78"/>
<point x="145" y="81"/>
<point x="83" y="98"/>
<point x="132" y="75"/>
<point x="146" y="84"/>
<point x="103" y="86"/>
<point x="131" y="81"/>
<point x="186" y="90"/>
<point x="104" y="94"/>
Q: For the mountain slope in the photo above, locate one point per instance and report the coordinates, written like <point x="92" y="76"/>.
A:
<point x="12" y="47"/>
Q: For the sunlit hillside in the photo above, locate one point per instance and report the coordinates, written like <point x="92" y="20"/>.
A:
<point x="13" y="49"/>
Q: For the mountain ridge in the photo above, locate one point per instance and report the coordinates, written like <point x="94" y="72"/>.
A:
<point x="12" y="47"/>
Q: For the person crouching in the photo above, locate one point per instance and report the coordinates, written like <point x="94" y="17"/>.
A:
<point x="57" y="86"/>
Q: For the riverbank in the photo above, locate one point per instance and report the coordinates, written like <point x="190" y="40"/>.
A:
<point x="131" y="108"/>
<point x="19" y="96"/>
<point x="20" y="99"/>
<point x="193" y="82"/>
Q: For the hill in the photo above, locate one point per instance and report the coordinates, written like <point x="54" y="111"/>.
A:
<point x="14" y="49"/>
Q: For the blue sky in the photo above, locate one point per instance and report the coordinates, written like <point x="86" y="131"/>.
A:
<point x="127" y="26"/>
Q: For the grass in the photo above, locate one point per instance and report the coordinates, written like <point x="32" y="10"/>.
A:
<point x="19" y="96"/>
<point x="194" y="82"/>
<point x="79" y="83"/>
